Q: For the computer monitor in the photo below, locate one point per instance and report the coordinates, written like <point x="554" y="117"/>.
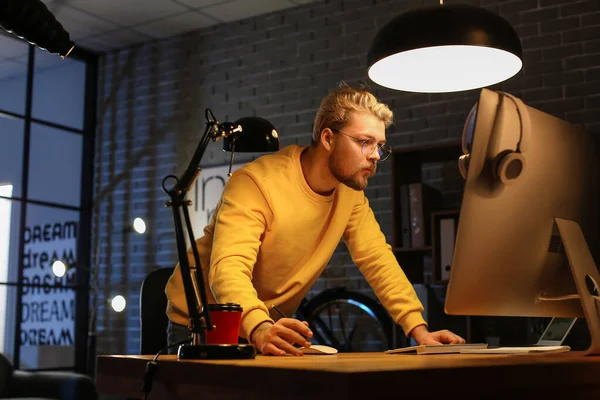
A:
<point x="527" y="236"/>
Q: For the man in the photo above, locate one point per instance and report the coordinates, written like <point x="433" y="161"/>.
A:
<point x="281" y="217"/>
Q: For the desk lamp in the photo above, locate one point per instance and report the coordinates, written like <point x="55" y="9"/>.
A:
<point x="249" y="134"/>
<point x="33" y="22"/>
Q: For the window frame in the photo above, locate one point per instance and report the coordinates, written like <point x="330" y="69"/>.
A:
<point x="85" y="209"/>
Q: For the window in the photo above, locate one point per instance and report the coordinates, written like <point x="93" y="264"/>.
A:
<point x="54" y="79"/>
<point x="5" y="222"/>
<point x="13" y="74"/>
<point x="55" y="157"/>
<point x="47" y="331"/>
<point x="47" y="136"/>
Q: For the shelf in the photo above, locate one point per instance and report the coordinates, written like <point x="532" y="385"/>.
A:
<point x="411" y="249"/>
<point x="407" y="168"/>
<point x="431" y="151"/>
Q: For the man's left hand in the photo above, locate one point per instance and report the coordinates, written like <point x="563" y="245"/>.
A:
<point x="423" y="336"/>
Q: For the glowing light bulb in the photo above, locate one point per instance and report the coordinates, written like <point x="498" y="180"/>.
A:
<point x="59" y="268"/>
<point x="118" y="303"/>
<point x="139" y="225"/>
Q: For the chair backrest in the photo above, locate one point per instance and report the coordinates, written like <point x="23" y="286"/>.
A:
<point x="6" y="371"/>
<point x="153" y="306"/>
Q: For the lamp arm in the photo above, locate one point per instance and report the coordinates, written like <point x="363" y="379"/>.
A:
<point x="191" y="173"/>
<point x="196" y="274"/>
<point x="193" y="279"/>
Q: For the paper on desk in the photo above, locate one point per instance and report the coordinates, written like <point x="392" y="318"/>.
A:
<point x="436" y="348"/>
<point x="518" y="350"/>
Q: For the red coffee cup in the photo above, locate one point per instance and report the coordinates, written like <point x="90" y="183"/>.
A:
<point x="226" y="319"/>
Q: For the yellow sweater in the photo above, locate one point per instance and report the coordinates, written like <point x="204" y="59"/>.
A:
<point x="271" y="236"/>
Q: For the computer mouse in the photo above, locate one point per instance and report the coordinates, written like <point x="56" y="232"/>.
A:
<point x="318" y="349"/>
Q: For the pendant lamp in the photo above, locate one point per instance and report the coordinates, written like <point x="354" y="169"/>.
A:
<point x="444" y="48"/>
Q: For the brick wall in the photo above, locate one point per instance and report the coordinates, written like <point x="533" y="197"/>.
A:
<point x="279" y="66"/>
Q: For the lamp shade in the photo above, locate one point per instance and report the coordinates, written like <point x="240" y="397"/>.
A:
<point x="257" y="135"/>
<point x="32" y="21"/>
<point x="445" y="48"/>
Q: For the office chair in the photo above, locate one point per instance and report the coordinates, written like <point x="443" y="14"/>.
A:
<point x="40" y="385"/>
<point x="153" y="305"/>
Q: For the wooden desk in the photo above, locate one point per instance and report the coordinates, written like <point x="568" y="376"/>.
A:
<point x="358" y="376"/>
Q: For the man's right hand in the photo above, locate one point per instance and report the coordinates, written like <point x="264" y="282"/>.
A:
<point x="279" y="338"/>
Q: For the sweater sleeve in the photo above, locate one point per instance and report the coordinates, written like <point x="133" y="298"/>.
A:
<point x="376" y="261"/>
<point x="243" y="217"/>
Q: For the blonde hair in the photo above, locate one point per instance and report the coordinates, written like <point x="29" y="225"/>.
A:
<point x="337" y="107"/>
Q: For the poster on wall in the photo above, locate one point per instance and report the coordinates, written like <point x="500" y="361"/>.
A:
<point x="205" y="195"/>
<point x="48" y="307"/>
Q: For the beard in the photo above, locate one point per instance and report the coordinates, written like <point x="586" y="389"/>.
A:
<point x="355" y="180"/>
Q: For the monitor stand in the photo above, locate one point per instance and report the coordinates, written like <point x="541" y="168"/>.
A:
<point x="586" y="277"/>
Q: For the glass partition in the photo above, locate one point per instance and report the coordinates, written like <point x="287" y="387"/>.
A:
<point x="46" y="143"/>
<point x="48" y="301"/>
<point x="58" y="89"/>
<point x="13" y="74"/>
<point x="11" y="153"/>
<point x="10" y="213"/>
<point x="55" y="165"/>
<point x="8" y="296"/>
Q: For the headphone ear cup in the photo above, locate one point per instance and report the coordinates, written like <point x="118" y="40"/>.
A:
<point x="463" y="165"/>
<point x="509" y="166"/>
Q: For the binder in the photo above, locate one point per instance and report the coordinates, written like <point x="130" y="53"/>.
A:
<point x="423" y="200"/>
<point x="404" y="217"/>
<point x="447" y="238"/>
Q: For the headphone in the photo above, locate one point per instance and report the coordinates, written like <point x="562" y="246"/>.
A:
<point x="508" y="165"/>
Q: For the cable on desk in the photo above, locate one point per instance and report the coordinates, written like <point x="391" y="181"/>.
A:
<point x="152" y="366"/>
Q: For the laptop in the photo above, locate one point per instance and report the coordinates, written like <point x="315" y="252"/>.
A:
<point x="550" y="341"/>
<point x="556" y="332"/>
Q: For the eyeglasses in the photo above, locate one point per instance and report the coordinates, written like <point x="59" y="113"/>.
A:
<point x="369" y="146"/>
